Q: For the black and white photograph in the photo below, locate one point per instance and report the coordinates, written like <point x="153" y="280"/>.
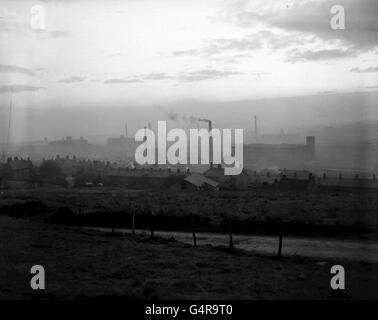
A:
<point x="172" y="151"/>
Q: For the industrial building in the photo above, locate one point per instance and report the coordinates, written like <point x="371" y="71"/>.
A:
<point x="290" y="156"/>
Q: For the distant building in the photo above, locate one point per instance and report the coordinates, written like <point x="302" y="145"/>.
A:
<point x="69" y="145"/>
<point x="143" y="177"/>
<point x="19" y="169"/>
<point x="16" y="173"/>
<point x="121" y="146"/>
<point x="69" y="142"/>
<point x="239" y="182"/>
<point x="290" y="156"/>
<point x="197" y="181"/>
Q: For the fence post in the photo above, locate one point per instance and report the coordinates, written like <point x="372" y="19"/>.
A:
<point x="230" y="234"/>
<point x="151" y="224"/>
<point x="112" y="223"/>
<point x="279" y="253"/>
<point x="193" y="231"/>
<point x="133" y="222"/>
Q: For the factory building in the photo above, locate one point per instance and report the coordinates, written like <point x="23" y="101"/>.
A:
<point x="258" y="156"/>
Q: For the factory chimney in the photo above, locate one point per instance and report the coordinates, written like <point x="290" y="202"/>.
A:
<point x="210" y="144"/>
<point x="256" y="133"/>
<point x="210" y="137"/>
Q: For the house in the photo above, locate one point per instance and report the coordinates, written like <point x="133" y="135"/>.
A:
<point x="197" y="181"/>
<point x="2" y="175"/>
<point x="143" y="177"/>
<point x="16" y="173"/>
<point x="20" y="169"/>
<point x="238" y="182"/>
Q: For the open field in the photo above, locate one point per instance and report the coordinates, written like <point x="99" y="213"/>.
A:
<point x="337" y="213"/>
<point x="82" y="263"/>
<point x="86" y="264"/>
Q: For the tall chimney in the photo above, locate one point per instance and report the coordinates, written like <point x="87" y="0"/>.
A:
<point x="210" y="144"/>
<point x="126" y="130"/>
<point x="256" y="133"/>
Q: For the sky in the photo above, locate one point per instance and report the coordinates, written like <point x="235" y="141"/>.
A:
<point x="107" y="55"/>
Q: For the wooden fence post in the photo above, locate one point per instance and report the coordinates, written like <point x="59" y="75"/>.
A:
<point x="133" y="222"/>
<point x="230" y="234"/>
<point x="279" y="253"/>
<point x="151" y="224"/>
<point x="112" y="223"/>
<point x="193" y="231"/>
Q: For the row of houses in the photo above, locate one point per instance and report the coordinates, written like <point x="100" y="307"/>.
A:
<point x="16" y="173"/>
<point x="74" y="172"/>
<point x="214" y="178"/>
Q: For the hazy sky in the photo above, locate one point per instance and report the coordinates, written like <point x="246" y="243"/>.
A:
<point x="112" y="53"/>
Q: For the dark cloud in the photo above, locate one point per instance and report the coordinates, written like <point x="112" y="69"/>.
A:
<point x="139" y="78"/>
<point x="370" y="69"/>
<point x="244" y="46"/>
<point x="17" y="88"/>
<point x="319" y="55"/>
<point x="15" y="69"/>
<point x="206" y="74"/>
<point x="121" y="80"/>
<point x="313" y="17"/>
<point x="72" y="79"/>
<point x="219" y="46"/>
<point x="157" y="76"/>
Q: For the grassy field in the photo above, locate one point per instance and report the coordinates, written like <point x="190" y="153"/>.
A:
<point x="82" y="264"/>
<point x="262" y="210"/>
